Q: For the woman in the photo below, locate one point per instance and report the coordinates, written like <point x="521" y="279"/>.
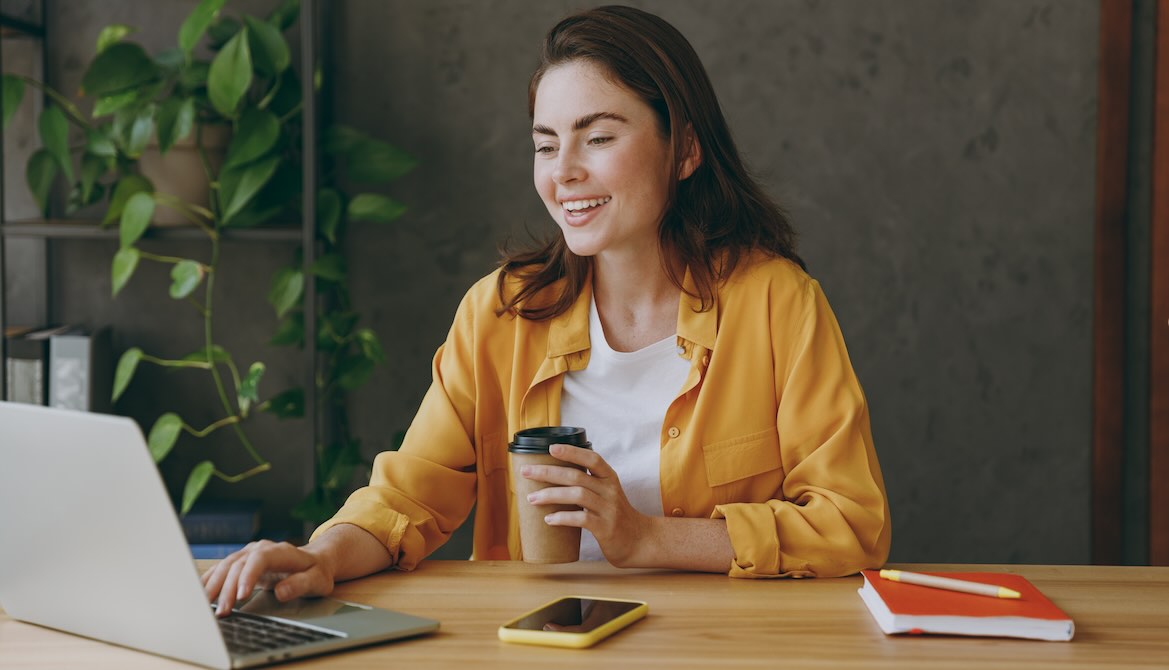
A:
<point x="670" y="316"/>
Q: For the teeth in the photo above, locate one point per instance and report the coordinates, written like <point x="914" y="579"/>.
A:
<point x="574" y="205"/>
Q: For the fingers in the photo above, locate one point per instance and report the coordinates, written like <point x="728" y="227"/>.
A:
<point x="558" y="475"/>
<point x="569" y="495"/>
<point x="260" y="563"/>
<point x="584" y="457"/>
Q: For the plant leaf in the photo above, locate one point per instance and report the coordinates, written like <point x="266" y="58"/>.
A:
<point x="112" y="35"/>
<point x="371" y="347"/>
<point x="124" y="263"/>
<point x="330" y="267"/>
<point x="127" y="187"/>
<point x="185" y="277"/>
<point x="176" y="117"/>
<point x="291" y="331"/>
<point x="112" y="103"/>
<point x="353" y="371"/>
<point x="54" y="130"/>
<point x="170" y="61"/>
<point x="230" y="74"/>
<point x="256" y="134"/>
<point x="220" y="32"/>
<point x="135" y="218"/>
<point x="127" y="364"/>
<point x="194" y="75"/>
<point x="140" y="131"/>
<point x="328" y="213"/>
<point x="287" y="286"/>
<point x="367" y="159"/>
<point x="196" y="23"/>
<point x="13" y="94"/>
<point x="287" y="404"/>
<point x="118" y="67"/>
<point x="40" y="172"/>
<point x="196" y="482"/>
<point x="268" y="48"/>
<point x="285" y="15"/>
<point x="374" y="207"/>
<point x="249" y="387"/>
<point x="98" y="143"/>
<point x="163" y="435"/>
<point x="240" y="184"/>
<point x="92" y="167"/>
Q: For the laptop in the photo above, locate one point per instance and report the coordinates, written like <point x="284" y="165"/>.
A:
<point x="90" y="544"/>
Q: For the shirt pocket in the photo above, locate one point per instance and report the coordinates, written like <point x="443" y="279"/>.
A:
<point x="745" y="468"/>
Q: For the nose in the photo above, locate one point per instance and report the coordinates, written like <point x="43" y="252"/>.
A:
<point x="568" y="167"/>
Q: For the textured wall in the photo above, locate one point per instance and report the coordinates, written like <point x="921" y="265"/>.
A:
<point x="936" y="156"/>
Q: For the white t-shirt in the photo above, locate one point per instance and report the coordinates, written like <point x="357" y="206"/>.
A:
<point x="620" y="400"/>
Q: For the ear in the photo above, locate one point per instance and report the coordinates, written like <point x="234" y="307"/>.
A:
<point x="693" y="157"/>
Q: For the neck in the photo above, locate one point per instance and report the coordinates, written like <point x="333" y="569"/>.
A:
<point x="635" y="299"/>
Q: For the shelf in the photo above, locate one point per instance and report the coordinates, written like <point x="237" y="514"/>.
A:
<point x="11" y="26"/>
<point x="91" y="230"/>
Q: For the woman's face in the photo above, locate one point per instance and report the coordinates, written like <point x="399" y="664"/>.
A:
<point x="602" y="165"/>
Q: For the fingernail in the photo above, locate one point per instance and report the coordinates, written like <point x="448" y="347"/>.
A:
<point x="240" y="593"/>
<point x="531" y="497"/>
<point x="548" y="519"/>
<point x="526" y="470"/>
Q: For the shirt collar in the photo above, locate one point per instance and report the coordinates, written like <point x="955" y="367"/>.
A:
<point x="568" y="333"/>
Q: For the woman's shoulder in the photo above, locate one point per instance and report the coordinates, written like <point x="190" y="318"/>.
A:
<point x="764" y="275"/>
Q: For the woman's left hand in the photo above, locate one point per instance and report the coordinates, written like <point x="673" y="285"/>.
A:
<point x="606" y="512"/>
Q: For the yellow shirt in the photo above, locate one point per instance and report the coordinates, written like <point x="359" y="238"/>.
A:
<point x="770" y="431"/>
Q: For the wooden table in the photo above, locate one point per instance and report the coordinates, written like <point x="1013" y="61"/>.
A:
<point x="695" y="621"/>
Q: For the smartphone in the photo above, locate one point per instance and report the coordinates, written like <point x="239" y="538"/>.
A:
<point x="573" y="621"/>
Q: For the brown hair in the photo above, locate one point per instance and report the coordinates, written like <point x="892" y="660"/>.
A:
<point x="711" y="219"/>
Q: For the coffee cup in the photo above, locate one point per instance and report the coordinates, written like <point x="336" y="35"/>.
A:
<point x="540" y="542"/>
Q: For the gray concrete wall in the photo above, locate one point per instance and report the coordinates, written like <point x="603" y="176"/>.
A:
<point x="937" y="158"/>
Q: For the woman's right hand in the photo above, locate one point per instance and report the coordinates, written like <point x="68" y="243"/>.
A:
<point x="292" y="572"/>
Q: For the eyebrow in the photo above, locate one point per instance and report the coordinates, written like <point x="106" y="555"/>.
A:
<point x="581" y="123"/>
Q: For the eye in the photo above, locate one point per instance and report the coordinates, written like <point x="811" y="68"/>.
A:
<point x="597" y="141"/>
<point x="545" y="149"/>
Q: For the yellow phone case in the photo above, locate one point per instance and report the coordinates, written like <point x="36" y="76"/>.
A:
<point x="568" y="639"/>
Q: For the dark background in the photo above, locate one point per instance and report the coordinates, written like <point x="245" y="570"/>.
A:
<point x="937" y="158"/>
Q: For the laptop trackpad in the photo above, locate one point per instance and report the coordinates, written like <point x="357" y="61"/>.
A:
<point x="264" y="603"/>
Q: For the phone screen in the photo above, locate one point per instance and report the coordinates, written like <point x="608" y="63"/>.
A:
<point x="577" y="615"/>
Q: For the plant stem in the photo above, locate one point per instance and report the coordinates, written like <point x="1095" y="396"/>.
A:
<point x="174" y="260"/>
<point x="226" y="421"/>
<point x="66" y="104"/>
<point x="232" y="479"/>
<point x="189" y="212"/>
<point x="243" y="438"/>
<point x="167" y="363"/>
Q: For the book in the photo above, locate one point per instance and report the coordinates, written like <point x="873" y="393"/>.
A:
<point x="81" y="367"/>
<point x="909" y="608"/>
<point x="26" y="362"/>
<point x="222" y="522"/>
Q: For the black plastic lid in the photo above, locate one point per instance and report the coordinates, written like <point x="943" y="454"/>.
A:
<point x="537" y="440"/>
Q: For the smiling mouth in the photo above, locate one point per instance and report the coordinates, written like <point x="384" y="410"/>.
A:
<point x="578" y="207"/>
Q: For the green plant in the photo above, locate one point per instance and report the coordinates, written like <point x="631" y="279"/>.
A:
<point x="248" y="85"/>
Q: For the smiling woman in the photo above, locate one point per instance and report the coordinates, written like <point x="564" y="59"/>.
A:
<point x="670" y="316"/>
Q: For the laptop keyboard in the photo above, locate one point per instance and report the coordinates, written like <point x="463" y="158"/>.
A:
<point x="248" y="634"/>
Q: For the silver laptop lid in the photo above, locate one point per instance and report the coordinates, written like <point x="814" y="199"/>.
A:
<point x="89" y="541"/>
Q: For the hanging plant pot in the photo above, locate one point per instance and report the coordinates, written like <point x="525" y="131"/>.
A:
<point x="180" y="171"/>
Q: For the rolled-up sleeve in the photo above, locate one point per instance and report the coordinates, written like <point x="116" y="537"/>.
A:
<point x="417" y="496"/>
<point x="831" y="515"/>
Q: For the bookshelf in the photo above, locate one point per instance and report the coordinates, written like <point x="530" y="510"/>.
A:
<point x="303" y="232"/>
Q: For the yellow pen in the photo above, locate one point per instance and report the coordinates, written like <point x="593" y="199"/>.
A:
<point x="950" y="584"/>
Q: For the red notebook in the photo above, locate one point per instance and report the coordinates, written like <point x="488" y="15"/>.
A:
<point x="909" y="608"/>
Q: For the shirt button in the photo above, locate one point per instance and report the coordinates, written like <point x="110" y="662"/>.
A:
<point x="705" y="361"/>
<point x="677" y="511"/>
<point x="681" y="350"/>
<point x="674" y="432"/>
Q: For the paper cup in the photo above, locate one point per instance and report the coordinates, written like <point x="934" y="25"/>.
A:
<point x="540" y="542"/>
